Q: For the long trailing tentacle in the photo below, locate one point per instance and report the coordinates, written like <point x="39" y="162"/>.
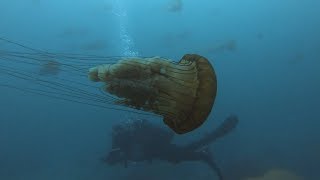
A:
<point x="72" y="85"/>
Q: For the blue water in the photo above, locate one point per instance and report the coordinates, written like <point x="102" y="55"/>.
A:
<point x="266" y="55"/>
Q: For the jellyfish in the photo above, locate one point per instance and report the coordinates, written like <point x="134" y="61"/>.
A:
<point x="51" y="67"/>
<point x="175" y="6"/>
<point x="182" y="93"/>
<point x="228" y="46"/>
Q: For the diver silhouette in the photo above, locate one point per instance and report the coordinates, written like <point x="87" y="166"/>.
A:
<point x="139" y="140"/>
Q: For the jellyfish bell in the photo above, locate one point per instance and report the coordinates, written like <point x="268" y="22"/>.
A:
<point x="183" y="93"/>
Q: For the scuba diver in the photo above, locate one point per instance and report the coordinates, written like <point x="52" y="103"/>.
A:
<point x="139" y="140"/>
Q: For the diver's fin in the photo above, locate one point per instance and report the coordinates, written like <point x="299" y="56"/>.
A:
<point x="226" y="127"/>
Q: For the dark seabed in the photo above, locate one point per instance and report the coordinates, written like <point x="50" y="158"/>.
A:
<point x="266" y="55"/>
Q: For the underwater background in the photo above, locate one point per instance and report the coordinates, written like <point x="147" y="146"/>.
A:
<point x="266" y="54"/>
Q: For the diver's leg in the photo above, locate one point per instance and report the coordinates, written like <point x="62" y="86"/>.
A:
<point x="207" y="157"/>
<point x="215" y="167"/>
<point x="225" y="128"/>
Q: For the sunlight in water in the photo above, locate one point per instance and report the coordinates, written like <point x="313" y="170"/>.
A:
<point x="127" y="43"/>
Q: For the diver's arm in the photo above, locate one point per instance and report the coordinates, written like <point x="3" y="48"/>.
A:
<point x="227" y="126"/>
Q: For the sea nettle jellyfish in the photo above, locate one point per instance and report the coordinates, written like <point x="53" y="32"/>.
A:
<point x="182" y="92"/>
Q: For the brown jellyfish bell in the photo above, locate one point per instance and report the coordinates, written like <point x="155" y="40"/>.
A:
<point x="183" y="93"/>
